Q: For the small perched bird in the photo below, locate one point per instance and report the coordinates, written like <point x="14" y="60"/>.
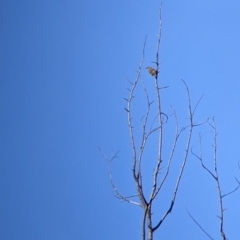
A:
<point x="152" y="71"/>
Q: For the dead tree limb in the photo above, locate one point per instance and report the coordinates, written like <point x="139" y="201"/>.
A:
<point x="215" y="176"/>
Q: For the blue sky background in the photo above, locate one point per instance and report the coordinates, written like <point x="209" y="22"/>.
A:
<point x="64" y="69"/>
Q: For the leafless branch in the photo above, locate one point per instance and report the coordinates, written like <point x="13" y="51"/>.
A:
<point x="136" y="163"/>
<point x="190" y="113"/>
<point x="197" y="223"/>
<point x="144" y="134"/>
<point x="215" y="175"/>
<point x="171" y="153"/>
<point x="197" y="103"/>
<point x="234" y="190"/>
<point x="116" y="193"/>
<point x="160" y="123"/>
<point x="200" y="157"/>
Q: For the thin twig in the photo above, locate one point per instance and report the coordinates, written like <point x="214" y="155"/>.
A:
<point x="215" y="176"/>
<point x="197" y="223"/>
<point x="135" y="171"/>
<point x="116" y="193"/>
<point x="160" y="123"/>
<point x="171" y="153"/>
<point x="191" y="115"/>
<point x="234" y="190"/>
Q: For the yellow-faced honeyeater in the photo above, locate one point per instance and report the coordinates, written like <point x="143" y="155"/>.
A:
<point x="152" y="71"/>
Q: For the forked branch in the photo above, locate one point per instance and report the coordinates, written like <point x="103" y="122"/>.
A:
<point x="215" y="176"/>
<point x="116" y="193"/>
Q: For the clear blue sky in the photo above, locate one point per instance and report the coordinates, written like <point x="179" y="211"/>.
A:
<point x="63" y="71"/>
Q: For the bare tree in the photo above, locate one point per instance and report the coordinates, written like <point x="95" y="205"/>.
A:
<point x="146" y="203"/>
<point x="152" y="127"/>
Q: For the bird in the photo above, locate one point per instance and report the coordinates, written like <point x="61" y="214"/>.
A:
<point x="152" y="71"/>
